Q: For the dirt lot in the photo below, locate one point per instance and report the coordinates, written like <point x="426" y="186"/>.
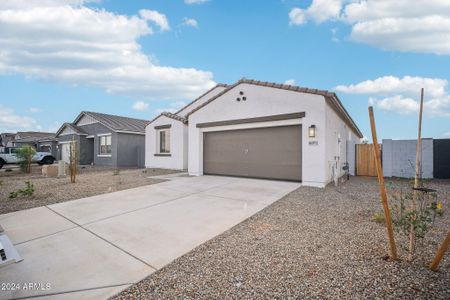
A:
<point x="90" y="181"/>
<point x="312" y="244"/>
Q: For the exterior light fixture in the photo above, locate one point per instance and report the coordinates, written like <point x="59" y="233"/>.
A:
<point x="312" y="131"/>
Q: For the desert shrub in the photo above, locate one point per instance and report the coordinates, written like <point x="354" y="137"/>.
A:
<point x="116" y="172"/>
<point x="379" y="218"/>
<point x="25" y="156"/>
<point x="28" y="191"/>
<point x="408" y="220"/>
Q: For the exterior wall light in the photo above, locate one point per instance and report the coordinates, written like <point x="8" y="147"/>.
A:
<point x="312" y="131"/>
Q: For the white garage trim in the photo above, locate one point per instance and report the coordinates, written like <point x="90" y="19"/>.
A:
<point x="253" y="125"/>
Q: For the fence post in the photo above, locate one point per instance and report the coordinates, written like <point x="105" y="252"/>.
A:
<point x="440" y="253"/>
<point x="383" y="194"/>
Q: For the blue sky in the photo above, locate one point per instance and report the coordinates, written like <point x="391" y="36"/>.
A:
<point x="138" y="58"/>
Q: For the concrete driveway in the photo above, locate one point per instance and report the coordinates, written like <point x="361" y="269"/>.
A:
<point x="94" y="247"/>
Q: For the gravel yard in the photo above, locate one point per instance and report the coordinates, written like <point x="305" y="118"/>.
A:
<point x="312" y="244"/>
<point x="90" y="181"/>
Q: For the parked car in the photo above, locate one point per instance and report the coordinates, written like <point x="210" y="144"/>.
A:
<point x="9" y="157"/>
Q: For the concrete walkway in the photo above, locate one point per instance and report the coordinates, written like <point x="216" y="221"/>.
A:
<point x="92" y="248"/>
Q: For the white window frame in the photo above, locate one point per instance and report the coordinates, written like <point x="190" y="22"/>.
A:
<point x="158" y="141"/>
<point x="105" y="137"/>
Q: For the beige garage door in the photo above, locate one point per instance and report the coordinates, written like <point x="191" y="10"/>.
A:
<point x="273" y="153"/>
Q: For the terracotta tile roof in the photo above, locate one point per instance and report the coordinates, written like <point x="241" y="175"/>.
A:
<point x="170" y="115"/>
<point x="331" y="98"/>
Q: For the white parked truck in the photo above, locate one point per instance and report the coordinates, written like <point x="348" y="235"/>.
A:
<point x="9" y="157"/>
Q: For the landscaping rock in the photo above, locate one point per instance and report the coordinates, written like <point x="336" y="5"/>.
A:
<point x="312" y="244"/>
<point x="89" y="182"/>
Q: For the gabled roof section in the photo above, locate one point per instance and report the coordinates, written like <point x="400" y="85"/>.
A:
<point x="116" y="123"/>
<point x="331" y="98"/>
<point x="170" y="115"/>
<point x="200" y="97"/>
<point x="33" y="134"/>
<point x="74" y="127"/>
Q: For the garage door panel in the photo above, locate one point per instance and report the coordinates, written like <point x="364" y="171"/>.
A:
<point x="273" y="153"/>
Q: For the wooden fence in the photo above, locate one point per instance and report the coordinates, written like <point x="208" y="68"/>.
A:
<point x="365" y="160"/>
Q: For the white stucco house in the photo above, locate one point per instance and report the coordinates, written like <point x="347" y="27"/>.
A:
<point x="256" y="129"/>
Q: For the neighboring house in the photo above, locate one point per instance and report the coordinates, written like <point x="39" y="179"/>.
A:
<point x="104" y="140"/>
<point x="5" y="140"/>
<point x="256" y="129"/>
<point x="41" y="141"/>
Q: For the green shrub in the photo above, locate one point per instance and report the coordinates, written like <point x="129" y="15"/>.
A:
<point x="379" y="218"/>
<point x="28" y="191"/>
<point x="25" y="157"/>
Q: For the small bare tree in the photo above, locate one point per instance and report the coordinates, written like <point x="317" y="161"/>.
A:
<point x="73" y="161"/>
<point x="25" y="157"/>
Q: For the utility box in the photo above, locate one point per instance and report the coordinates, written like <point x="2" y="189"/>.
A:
<point x="55" y="170"/>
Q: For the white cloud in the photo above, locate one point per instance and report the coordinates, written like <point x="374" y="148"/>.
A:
<point x="195" y="1"/>
<point x="11" y="122"/>
<point x="297" y="16"/>
<point x="155" y="17"/>
<point x="402" y="95"/>
<point x="34" y="110"/>
<point x="190" y="22"/>
<point x="290" y="82"/>
<point x="140" y="106"/>
<point x="429" y="34"/>
<point x="319" y="11"/>
<point x="446" y="135"/>
<point x="20" y="4"/>
<point x="173" y="107"/>
<point x="392" y="25"/>
<point x="83" y="46"/>
<point x="410" y="85"/>
<point x="397" y="104"/>
<point x="334" y="36"/>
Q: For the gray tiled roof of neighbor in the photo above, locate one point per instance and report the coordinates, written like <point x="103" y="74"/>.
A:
<point x="331" y="97"/>
<point x="74" y="127"/>
<point x="31" y="139"/>
<point x="77" y="128"/>
<point x="119" y="123"/>
<point x="35" y="134"/>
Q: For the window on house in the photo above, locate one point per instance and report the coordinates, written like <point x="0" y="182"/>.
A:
<point x="164" y="141"/>
<point x="105" y="144"/>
